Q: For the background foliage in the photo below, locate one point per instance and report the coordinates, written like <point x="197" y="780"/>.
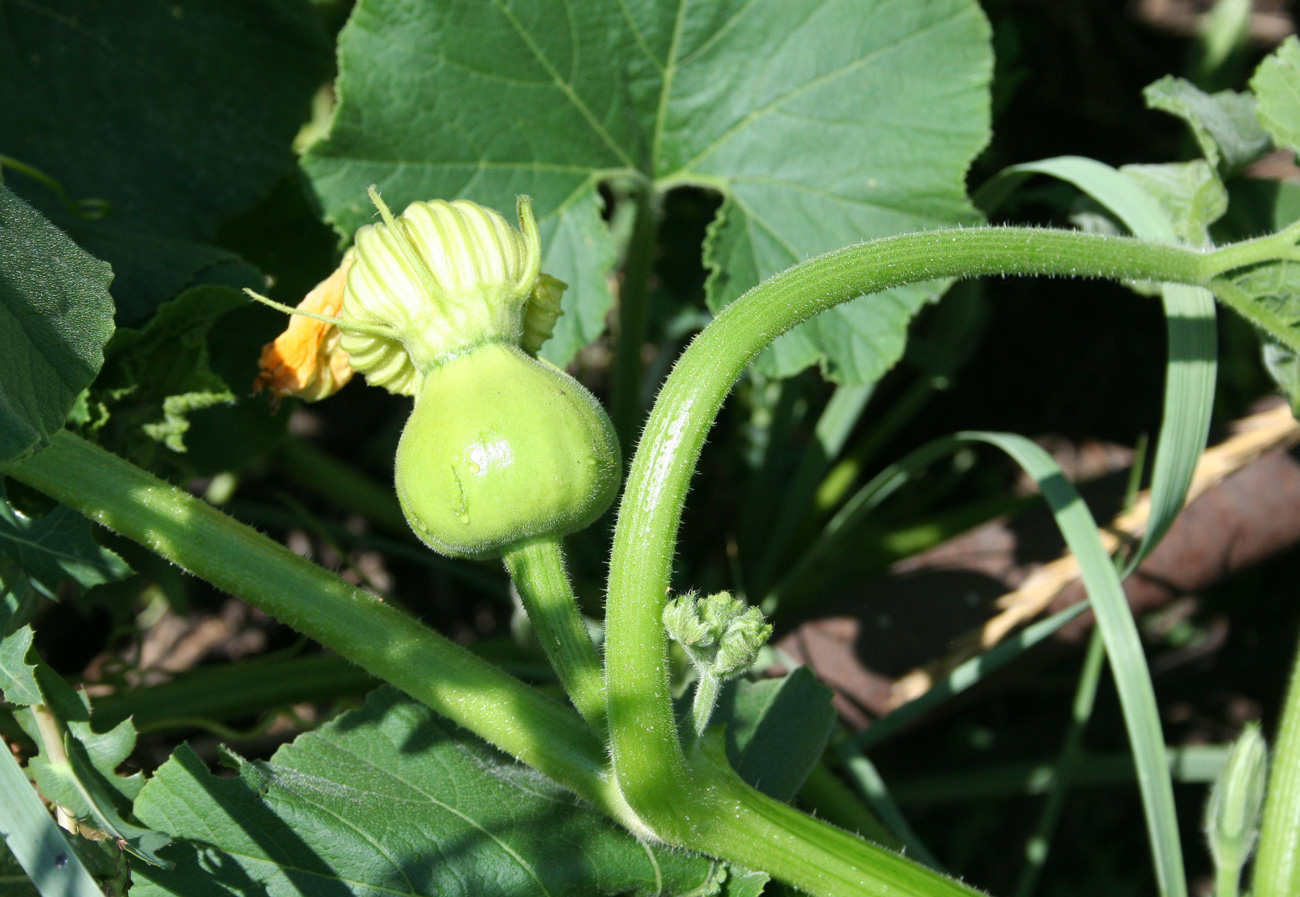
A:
<point x="158" y="160"/>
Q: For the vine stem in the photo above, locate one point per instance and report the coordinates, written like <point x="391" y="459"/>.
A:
<point x="52" y="749"/>
<point x="537" y="568"/>
<point x="379" y="638"/>
<point x="1277" y="864"/>
<point x="669" y="792"/>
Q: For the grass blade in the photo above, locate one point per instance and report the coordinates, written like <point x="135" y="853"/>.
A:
<point x="1123" y="648"/>
<point x="1118" y="629"/>
<point x="1085" y="698"/>
<point x="36" y="841"/>
<point x="1195" y="764"/>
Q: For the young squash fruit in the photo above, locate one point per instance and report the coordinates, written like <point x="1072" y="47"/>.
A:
<point x="501" y="448"/>
<point x="447" y="303"/>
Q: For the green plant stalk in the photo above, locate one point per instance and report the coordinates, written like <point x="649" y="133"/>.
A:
<point x="54" y="752"/>
<point x="728" y="818"/>
<point x="1277" y="863"/>
<point x="648" y="759"/>
<point x="537" y="568"/>
<point x="1227" y="875"/>
<point x="706" y="698"/>
<point x="377" y="637"/>
<point x="633" y="319"/>
<point x="1261" y="316"/>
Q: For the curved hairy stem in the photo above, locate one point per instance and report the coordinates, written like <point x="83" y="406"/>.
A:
<point x="537" y="568"/>
<point x="653" y="771"/>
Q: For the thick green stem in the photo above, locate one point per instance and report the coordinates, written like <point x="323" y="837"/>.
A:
<point x="537" y="568"/>
<point x="377" y="637"/>
<point x="633" y="319"/>
<point x="1277" y="864"/>
<point x="727" y="818"/>
<point x="648" y="757"/>
<point x="826" y="796"/>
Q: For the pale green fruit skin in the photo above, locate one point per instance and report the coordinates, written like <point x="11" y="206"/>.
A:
<point x="502" y="448"/>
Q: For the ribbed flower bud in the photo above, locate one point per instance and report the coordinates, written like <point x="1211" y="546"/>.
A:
<point x="443" y="278"/>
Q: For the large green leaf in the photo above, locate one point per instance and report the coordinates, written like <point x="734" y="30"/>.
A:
<point x="1224" y="124"/>
<point x="179" y="114"/>
<point x="1277" y="89"/>
<point x="823" y="124"/>
<point x="18" y="683"/>
<point x="156" y="377"/>
<point x="1190" y="193"/>
<point x="76" y="768"/>
<point x="56" y="548"/>
<point x="391" y="799"/>
<point x="1269" y="297"/>
<point x="55" y="317"/>
<point x="776" y="729"/>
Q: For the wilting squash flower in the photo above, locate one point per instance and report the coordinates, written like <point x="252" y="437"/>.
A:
<point x="306" y="361"/>
<point x="447" y="303"/>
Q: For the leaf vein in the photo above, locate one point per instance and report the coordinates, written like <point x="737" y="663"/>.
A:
<point x="639" y="37"/>
<point x="717" y="35"/>
<point x="473" y="823"/>
<point x="855" y="65"/>
<point x="564" y="86"/>
<point x="670" y="73"/>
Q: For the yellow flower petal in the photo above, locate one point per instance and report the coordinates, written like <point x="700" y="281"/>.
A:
<point x="306" y="361"/>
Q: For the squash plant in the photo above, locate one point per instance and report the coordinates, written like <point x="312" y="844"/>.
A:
<point x="838" y="137"/>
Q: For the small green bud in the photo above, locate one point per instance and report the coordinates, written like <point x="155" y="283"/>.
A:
<point x="682" y="620"/>
<point x="1232" y="812"/>
<point x="740" y="644"/>
<point x="541" y="312"/>
<point x="720" y="634"/>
